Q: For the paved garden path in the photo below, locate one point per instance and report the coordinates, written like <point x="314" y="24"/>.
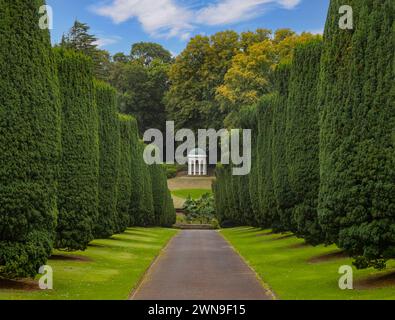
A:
<point x="200" y="265"/>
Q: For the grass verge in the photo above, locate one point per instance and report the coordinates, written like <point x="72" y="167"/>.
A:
<point x="108" y="270"/>
<point x="294" y="270"/>
<point x="193" y="193"/>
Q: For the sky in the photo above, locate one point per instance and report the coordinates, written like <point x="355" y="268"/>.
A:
<point x="119" y="23"/>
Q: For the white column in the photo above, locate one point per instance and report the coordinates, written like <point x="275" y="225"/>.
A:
<point x="194" y="167"/>
<point x="197" y="167"/>
<point x="205" y="167"/>
<point x="189" y="167"/>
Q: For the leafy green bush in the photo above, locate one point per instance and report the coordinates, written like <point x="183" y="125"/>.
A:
<point x="200" y="211"/>
<point x="29" y="140"/>
<point x="79" y="170"/>
<point x="171" y="171"/>
<point x="109" y="143"/>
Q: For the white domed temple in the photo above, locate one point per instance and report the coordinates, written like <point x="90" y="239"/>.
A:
<point x="197" y="163"/>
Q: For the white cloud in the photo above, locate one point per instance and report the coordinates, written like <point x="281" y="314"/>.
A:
<point x="229" y="11"/>
<point x="232" y="11"/>
<point x="289" y="4"/>
<point x="170" y="19"/>
<point x="106" y="41"/>
<point x="158" y="17"/>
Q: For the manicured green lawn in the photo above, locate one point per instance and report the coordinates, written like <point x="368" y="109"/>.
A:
<point x="108" y="270"/>
<point x="284" y="264"/>
<point x="194" y="193"/>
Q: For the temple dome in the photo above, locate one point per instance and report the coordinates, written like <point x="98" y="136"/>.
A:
<point x="197" y="152"/>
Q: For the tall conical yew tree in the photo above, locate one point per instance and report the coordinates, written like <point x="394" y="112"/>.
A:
<point x="267" y="200"/>
<point x="164" y="211"/>
<point x="220" y="194"/>
<point x="282" y="190"/>
<point x="142" y="206"/>
<point x="227" y="205"/>
<point x="125" y="173"/>
<point x="109" y="146"/>
<point x="159" y="190"/>
<point x="136" y="198"/>
<point x="147" y="211"/>
<point x="170" y="217"/>
<point x="247" y="119"/>
<point x="79" y="168"/>
<point x="29" y="140"/>
<point x="253" y="178"/>
<point x="302" y="139"/>
<point x="356" y="202"/>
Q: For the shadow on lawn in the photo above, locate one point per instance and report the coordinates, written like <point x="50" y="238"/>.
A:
<point x="25" y="285"/>
<point x="376" y="282"/>
<point x="59" y="257"/>
<point x="283" y="237"/>
<point x="332" y="256"/>
<point x="302" y="245"/>
<point x="118" y="241"/>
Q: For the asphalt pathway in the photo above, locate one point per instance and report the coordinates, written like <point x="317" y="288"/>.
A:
<point x="200" y="265"/>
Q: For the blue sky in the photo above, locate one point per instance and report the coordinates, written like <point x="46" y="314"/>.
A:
<point x="119" y="23"/>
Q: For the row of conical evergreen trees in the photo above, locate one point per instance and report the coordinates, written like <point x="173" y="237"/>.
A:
<point x="72" y="168"/>
<point x="323" y="149"/>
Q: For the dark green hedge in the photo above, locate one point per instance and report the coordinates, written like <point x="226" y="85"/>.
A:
<point x="29" y="140"/>
<point x="356" y="202"/>
<point x="79" y="166"/>
<point x="302" y="139"/>
<point x="125" y="177"/>
<point x="109" y="146"/>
